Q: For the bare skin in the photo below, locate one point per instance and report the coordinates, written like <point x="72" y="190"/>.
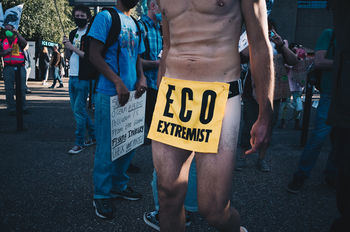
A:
<point x="201" y="44"/>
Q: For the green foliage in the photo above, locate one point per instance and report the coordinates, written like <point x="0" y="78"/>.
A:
<point x="140" y="9"/>
<point x="40" y="20"/>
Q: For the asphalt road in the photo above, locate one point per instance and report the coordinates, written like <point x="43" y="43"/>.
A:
<point x="45" y="189"/>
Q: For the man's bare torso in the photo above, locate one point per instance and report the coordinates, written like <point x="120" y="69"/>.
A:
<point x="204" y="38"/>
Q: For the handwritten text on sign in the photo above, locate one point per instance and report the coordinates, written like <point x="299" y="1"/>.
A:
<point x="127" y="125"/>
<point x="188" y="114"/>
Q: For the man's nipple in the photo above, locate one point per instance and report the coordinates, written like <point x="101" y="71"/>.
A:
<point x="220" y="3"/>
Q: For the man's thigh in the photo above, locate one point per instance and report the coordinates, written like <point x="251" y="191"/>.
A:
<point x="215" y="171"/>
<point x="171" y="164"/>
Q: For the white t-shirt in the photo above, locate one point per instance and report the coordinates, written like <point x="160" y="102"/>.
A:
<point x="74" y="59"/>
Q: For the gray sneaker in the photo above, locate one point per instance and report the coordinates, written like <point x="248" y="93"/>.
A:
<point x="241" y="163"/>
<point x="263" y="166"/>
<point x="152" y="219"/>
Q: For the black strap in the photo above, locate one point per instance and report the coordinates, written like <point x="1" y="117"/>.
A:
<point x="235" y="88"/>
<point x="113" y="34"/>
<point x="72" y="34"/>
<point x="146" y="54"/>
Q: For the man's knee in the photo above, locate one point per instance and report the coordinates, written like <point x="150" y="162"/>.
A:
<point x="171" y="191"/>
<point x="217" y="214"/>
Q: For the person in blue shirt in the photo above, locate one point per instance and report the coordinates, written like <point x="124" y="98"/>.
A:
<point x="118" y="77"/>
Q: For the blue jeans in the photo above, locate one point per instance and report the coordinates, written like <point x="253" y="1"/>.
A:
<point x="317" y="138"/>
<point x="191" y="203"/>
<point x="108" y="176"/>
<point x="78" y="93"/>
<point x="56" y="76"/>
<point x="297" y="103"/>
<point x="10" y="80"/>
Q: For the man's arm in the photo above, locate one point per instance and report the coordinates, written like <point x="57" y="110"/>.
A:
<point x="96" y="58"/>
<point x="5" y="52"/>
<point x="254" y="12"/>
<point x="22" y="42"/>
<point x="321" y="62"/>
<point x="289" y="56"/>
<point x="166" y="46"/>
<point x="141" y="85"/>
<point x="69" y="46"/>
<point x="150" y="64"/>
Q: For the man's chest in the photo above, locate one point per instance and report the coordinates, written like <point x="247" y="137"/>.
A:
<point x="175" y="8"/>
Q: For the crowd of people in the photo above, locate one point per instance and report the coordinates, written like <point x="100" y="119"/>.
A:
<point x="194" y="82"/>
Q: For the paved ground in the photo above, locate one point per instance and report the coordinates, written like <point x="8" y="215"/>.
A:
<point x="45" y="189"/>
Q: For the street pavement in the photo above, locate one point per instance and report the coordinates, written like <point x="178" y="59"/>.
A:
<point x="45" y="189"/>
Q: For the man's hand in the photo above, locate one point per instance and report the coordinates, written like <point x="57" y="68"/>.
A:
<point x="260" y="135"/>
<point x="67" y="43"/>
<point x="123" y="93"/>
<point x="8" y="51"/>
<point x="277" y="39"/>
<point x="141" y="87"/>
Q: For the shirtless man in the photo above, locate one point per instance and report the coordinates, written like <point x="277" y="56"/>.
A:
<point x="201" y="44"/>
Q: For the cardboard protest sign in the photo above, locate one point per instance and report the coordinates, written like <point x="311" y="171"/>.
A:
<point x="189" y="114"/>
<point x="13" y="16"/>
<point x="243" y="42"/>
<point x="127" y="124"/>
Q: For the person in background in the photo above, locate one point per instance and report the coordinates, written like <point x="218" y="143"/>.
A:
<point x="55" y="65"/>
<point x="324" y="61"/>
<point x="297" y="76"/>
<point x="78" y="82"/>
<point x="118" y="75"/>
<point x="44" y="64"/>
<point x="11" y="49"/>
<point x="282" y="54"/>
<point x="27" y="66"/>
<point x="339" y="112"/>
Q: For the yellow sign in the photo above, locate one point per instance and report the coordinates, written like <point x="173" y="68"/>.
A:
<point x="189" y="114"/>
<point x="15" y="50"/>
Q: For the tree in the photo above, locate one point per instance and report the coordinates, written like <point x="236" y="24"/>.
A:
<point x="40" y="20"/>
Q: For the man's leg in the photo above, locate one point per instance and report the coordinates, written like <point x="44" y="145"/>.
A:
<point x="81" y="114"/>
<point x="215" y="172"/>
<point x="23" y="75"/>
<point x="103" y="166"/>
<point x="58" y="76"/>
<point x="191" y="202"/>
<point x="313" y="146"/>
<point x="9" y="79"/>
<point x="318" y="136"/>
<point x="172" y="166"/>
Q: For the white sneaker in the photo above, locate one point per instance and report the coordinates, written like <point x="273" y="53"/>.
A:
<point x="243" y="229"/>
<point x="75" y="150"/>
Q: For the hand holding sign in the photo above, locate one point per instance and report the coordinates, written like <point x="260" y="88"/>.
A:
<point x="123" y="92"/>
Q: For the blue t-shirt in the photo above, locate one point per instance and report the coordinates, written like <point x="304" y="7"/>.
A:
<point x="129" y="50"/>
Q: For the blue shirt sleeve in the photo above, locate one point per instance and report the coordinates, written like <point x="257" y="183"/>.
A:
<point x="324" y="40"/>
<point x="142" y="48"/>
<point x="101" y="26"/>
